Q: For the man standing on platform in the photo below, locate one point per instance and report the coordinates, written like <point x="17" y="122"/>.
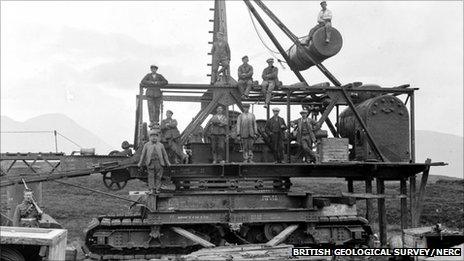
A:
<point x="170" y="136"/>
<point x="152" y="82"/>
<point x="155" y="158"/>
<point x="245" y="74"/>
<point x="275" y="128"/>
<point x="247" y="132"/>
<point x="270" y="80"/>
<point x="218" y="130"/>
<point x="221" y="56"/>
<point x="305" y="136"/>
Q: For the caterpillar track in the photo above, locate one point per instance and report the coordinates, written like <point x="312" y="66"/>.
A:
<point x="141" y="236"/>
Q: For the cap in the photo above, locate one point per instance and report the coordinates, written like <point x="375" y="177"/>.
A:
<point x="246" y="105"/>
<point x="169" y="111"/>
<point x="304" y="111"/>
<point x="246" y="56"/>
<point x="323" y="2"/>
<point x="153" y="132"/>
<point x="125" y="144"/>
<point x="275" y="109"/>
<point x="270" y="60"/>
<point x="153" y="66"/>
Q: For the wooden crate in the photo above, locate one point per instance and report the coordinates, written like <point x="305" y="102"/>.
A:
<point x="53" y="239"/>
<point x="333" y="149"/>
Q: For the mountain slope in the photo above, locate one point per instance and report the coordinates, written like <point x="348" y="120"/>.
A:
<point x="441" y="147"/>
<point x="45" y="142"/>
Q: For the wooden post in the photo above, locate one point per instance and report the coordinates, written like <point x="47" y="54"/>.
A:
<point x="403" y="208"/>
<point x="369" y="202"/>
<point x="382" y="212"/>
<point x="350" y="186"/>
<point x="420" y="197"/>
<point x="289" y="159"/>
<point x="412" y="200"/>
<point x="227" y="134"/>
<point x="412" y="128"/>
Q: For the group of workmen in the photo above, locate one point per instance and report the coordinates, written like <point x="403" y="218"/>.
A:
<point x="164" y="144"/>
<point x="221" y="57"/>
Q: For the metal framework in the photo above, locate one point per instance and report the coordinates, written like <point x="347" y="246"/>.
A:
<point x="302" y="94"/>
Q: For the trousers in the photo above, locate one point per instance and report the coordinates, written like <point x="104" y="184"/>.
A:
<point x="174" y="150"/>
<point x="247" y="147"/>
<point x="306" y="147"/>
<point x="215" y="66"/>
<point x="244" y="86"/>
<point x="277" y="142"/>
<point x="218" y="143"/>
<point x="154" y="105"/>
<point x="327" y="28"/>
<point x="155" y="173"/>
<point x="266" y="88"/>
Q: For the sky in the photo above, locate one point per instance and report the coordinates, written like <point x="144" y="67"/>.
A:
<point x="86" y="59"/>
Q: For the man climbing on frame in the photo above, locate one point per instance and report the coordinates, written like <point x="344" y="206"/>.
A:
<point x="152" y="82"/>
<point x="155" y="158"/>
<point x="324" y="20"/>
<point x="221" y="56"/>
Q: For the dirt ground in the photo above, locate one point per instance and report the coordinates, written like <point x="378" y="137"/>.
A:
<point x="74" y="207"/>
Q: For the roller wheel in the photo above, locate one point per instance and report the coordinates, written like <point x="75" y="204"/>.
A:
<point x="113" y="184"/>
<point x="11" y="254"/>
<point x="273" y="229"/>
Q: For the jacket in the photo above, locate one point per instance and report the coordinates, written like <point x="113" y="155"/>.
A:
<point x="169" y="129"/>
<point x="270" y="74"/>
<point x="217" y="124"/>
<point x="221" y="50"/>
<point x="153" y="89"/>
<point x="245" y="72"/>
<point x="153" y="152"/>
<point x="246" y="125"/>
<point x="274" y="125"/>
<point x="310" y="125"/>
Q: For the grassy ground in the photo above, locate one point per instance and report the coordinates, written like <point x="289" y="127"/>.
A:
<point x="74" y="207"/>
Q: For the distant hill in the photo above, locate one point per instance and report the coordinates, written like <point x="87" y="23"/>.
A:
<point x="429" y="144"/>
<point x="441" y="147"/>
<point x="44" y="142"/>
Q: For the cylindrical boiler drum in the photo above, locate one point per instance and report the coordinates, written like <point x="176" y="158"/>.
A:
<point x="318" y="49"/>
<point x="387" y="120"/>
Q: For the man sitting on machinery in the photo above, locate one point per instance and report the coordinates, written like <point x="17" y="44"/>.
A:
<point x="324" y="20"/>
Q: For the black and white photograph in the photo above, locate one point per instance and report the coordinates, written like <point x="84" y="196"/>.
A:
<point x="231" y="130"/>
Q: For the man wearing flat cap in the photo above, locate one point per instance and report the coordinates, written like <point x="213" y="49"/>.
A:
<point x="306" y="138"/>
<point x="270" y="80"/>
<point x="275" y="128"/>
<point x="170" y="136"/>
<point x="324" y="20"/>
<point x="152" y="82"/>
<point x="221" y="56"/>
<point x="155" y="158"/>
<point x="247" y="132"/>
<point x="245" y="74"/>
